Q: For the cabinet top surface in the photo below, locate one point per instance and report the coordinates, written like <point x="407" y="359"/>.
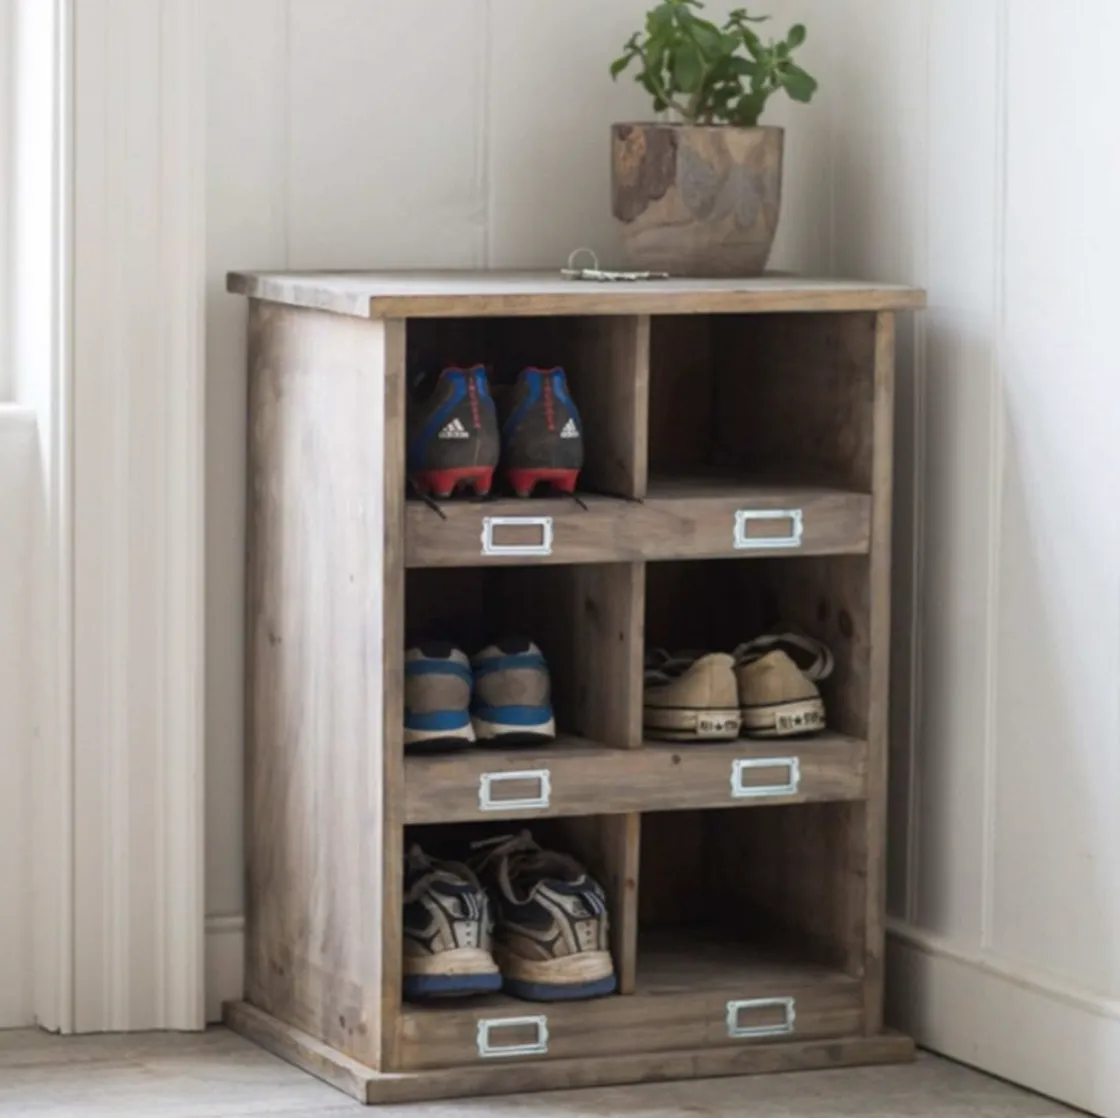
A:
<point x="450" y="294"/>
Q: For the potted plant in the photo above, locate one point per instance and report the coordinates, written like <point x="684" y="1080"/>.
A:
<point x="700" y="195"/>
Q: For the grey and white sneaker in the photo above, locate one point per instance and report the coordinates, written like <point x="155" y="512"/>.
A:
<point x="551" y="934"/>
<point x="447" y="930"/>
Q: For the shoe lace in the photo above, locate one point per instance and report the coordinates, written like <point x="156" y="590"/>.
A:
<point x="518" y="853"/>
<point x="502" y="846"/>
<point x="820" y="666"/>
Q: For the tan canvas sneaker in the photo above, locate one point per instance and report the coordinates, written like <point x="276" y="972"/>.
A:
<point x="690" y="696"/>
<point x="777" y="677"/>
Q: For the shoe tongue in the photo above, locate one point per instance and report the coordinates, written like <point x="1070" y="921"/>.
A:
<point x="558" y="870"/>
<point x="436" y="649"/>
<point x="512" y="646"/>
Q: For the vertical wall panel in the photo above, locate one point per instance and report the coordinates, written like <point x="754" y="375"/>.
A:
<point x="386" y="164"/>
<point x="17" y="490"/>
<point x="1056" y="861"/>
<point x="247" y="99"/>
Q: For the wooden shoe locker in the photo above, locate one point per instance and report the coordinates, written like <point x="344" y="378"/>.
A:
<point x="738" y="474"/>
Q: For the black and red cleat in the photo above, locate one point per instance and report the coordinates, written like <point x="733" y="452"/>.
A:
<point x="542" y="434"/>
<point x="453" y="438"/>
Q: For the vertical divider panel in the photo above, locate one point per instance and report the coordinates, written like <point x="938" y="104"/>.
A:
<point x="609" y="373"/>
<point x="609" y="377"/>
<point x="875" y="837"/>
<point x="608" y="616"/>
<point x="323" y="752"/>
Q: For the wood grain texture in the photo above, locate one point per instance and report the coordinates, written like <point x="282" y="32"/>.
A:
<point x="795" y="393"/>
<point x="673" y="1008"/>
<point x="697" y="200"/>
<point x="323" y="733"/>
<point x="586" y="779"/>
<point x="680" y="518"/>
<point x="466" y="294"/>
<point x="879" y="666"/>
<point x="608" y="374"/>
<point x="297" y="1047"/>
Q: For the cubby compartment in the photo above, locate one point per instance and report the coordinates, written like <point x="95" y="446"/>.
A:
<point x="586" y="621"/>
<point x="461" y="1032"/>
<point x="775" y="400"/>
<point x="718" y="605"/>
<point x="763" y="908"/>
<point x="605" y="362"/>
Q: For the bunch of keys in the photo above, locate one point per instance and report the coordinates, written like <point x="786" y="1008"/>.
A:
<point x="597" y="273"/>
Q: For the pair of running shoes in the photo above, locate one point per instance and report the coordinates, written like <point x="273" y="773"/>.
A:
<point x="462" y="430"/>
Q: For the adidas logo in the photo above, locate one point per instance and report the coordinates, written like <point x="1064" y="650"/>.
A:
<point x="454" y="430"/>
<point x="571" y="431"/>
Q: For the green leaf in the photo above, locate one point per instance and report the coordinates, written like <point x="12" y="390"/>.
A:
<point x="798" y="84"/>
<point x="660" y="18"/>
<point x="796" y="35"/>
<point x="688" y="68"/>
<point x="753" y="44"/>
<point x="749" y="109"/>
<point x="743" y="66"/>
<point x="620" y="64"/>
<point x="708" y="38"/>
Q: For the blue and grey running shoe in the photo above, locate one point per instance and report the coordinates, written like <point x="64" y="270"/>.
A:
<point x="512" y="702"/>
<point x="437" y="697"/>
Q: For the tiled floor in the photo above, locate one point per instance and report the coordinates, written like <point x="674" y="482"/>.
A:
<point x="218" y="1075"/>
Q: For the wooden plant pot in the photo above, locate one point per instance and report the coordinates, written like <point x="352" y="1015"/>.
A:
<point x="697" y="200"/>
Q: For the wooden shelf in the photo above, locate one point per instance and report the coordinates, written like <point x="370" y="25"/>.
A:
<point x="685" y="960"/>
<point x="721" y="420"/>
<point x="707" y="994"/>
<point x="575" y="777"/>
<point x="678" y="519"/>
<point x="452" y="294"/>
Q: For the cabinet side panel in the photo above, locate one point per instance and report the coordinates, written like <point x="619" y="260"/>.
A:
<point x="880" y="664"/>
<point x="316" y="703"/>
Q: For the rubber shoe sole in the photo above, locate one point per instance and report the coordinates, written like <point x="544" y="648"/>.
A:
<point x="571" y="978"/>
<point x="782" y="720"/>
<point x="524" y="481"/>
<point x="443" y="483"/>
<point x="459" y="973"/>
<point x="512" y="733"/>
<point x="687" y="724"/>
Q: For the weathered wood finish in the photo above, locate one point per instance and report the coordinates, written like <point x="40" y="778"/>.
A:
<point x="323" y="701"/>
<point x="464" y="294"/>
<point x="697" y="200"/>
<point x="670" y="1009"/>
<point x="874" y="839"/>
<point x="680" y="518"/>
<point x="368" y="1086"/>
<point x="608" y="373"/>
<point x="729" y="404"/>
<point x="587" y="779"/>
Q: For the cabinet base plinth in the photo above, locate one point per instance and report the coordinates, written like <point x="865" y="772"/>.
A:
<point x="368" y="1086"/>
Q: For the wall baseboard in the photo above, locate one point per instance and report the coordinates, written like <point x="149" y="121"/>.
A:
<point x="225" y="963"/>
<point x="1005" y="1018"/>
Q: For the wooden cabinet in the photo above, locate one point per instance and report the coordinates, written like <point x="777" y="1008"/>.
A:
<point x="738" y="475"/>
